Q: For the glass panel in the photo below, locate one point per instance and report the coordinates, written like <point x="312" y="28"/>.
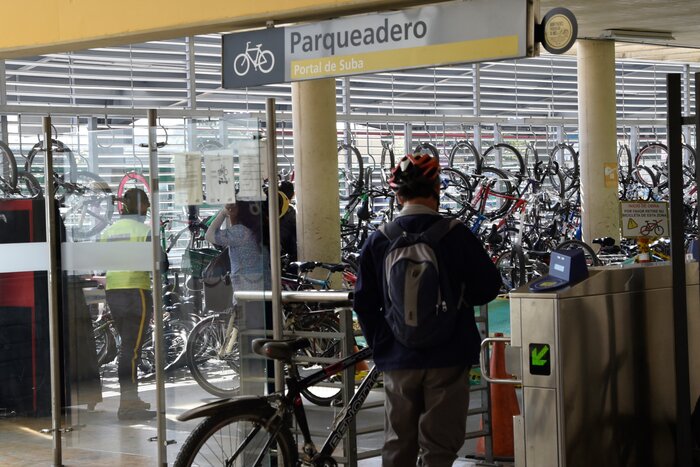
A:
<point x="25" y="386"/>
<point x="106" y="258"/>
<point x="212" y="182"/>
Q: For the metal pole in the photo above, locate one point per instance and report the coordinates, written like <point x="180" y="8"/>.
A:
<point x="697" y="135"/>
<point x="4" y="134"/>
<point x="680" y="311"/>
<point x="275" y="251"/>
<point x="158" y="337"/>
<point x="53" y="280"/>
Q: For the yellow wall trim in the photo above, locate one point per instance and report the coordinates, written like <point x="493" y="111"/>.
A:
<point x="32" y="27"/>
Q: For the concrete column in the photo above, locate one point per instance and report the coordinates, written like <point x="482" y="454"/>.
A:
<point x="316" y="170"/>
<point x="598" y="138"/>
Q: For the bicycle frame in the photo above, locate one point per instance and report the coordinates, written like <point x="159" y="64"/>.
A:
<point x="343" y="419"/>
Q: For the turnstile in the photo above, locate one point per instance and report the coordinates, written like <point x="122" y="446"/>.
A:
<point x="597" y="369"/>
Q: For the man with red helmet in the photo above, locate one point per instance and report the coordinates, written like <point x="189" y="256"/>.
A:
<point x="427" y="390"/>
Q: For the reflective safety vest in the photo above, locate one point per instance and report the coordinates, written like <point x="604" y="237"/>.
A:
<point x="127" y="230"/>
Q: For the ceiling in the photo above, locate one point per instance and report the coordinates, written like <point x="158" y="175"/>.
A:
<point x="679" y="17"/>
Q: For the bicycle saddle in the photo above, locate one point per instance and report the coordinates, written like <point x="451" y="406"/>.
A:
<point x="604" y="241"/>
<point x="282" y="349"/>
<point x="304" y="266"/>
<point x="334" y="267"/>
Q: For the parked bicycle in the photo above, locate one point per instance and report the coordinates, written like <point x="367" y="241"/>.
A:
<point x="253" y="431"/>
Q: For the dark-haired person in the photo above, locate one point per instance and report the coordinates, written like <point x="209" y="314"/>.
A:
<point x="130" y="301"/>
<point x="427" y="390"/>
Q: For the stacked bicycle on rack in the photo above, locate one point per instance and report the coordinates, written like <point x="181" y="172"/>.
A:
<point x="521" y="205"/>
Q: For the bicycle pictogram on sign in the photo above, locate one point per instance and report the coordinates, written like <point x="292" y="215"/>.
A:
<point x="652" y="229"/>
<point x="262" y="60"/>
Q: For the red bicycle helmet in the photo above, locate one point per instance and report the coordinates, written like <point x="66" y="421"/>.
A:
<point x="414" y="169"/>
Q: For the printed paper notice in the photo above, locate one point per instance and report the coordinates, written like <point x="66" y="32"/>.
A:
<point x="252" y="170"/>
<point x="218" y="169"/>
<point x="188" y="178"/>
<point x="644" y="219"/>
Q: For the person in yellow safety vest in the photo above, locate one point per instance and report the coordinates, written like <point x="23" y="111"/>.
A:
<point x="130" y="301"/>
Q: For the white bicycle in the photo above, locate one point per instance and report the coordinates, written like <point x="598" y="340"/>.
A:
<point x="262" y="60"/>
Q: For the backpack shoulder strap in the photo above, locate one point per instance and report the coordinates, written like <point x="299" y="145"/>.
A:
<point x="439" y="229"/>
<point x="391" y="230"/>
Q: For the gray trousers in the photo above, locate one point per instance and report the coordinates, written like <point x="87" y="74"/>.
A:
<point x="425" y="409"/>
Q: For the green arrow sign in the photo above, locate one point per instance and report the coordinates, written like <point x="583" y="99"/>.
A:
<point x="540" y="359"/>
<point x="537" y="357"/>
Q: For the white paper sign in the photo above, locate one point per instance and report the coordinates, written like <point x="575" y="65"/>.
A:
<point x="218" y="169"/>
<point x="644" y="219"/>
<point x="252" y="170"/>
<point x="188" y="178"/>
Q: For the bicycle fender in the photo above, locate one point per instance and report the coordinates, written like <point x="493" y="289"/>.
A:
<point x="243" y="403"/>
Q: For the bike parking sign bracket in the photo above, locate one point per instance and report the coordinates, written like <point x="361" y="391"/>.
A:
<point x="644" y="219"/>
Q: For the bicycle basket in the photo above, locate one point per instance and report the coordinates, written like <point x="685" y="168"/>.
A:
<point x="194" y="261"/>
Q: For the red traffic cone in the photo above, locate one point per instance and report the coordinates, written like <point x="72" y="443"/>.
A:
<point x="504" y="405"/>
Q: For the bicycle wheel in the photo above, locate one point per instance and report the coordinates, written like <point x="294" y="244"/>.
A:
<point x="27" y="185"/>
<point x="63" y="160"/>
<point x="624" y="163"/>
<point x="321" y="347"/>
<point x="387" y="164"/>
<point x="568" y="166"/>
<point x="238" y="439"/>
<point x="465" y="157"/>
<point x="511" y="266"/>
<point x="175" y="341"/>
<point x="591" y="257"/>
<point x="498" y="202"/>
<point x="8" y="168"/>
<point x="216" y="370"/>
<point x="131" y="180"/>
<point x="106" y="338"/>
<point x="511" y="161"/>
<point x="88" y="205"/>
<point x="350" y="171"/>
<point x="455" y="192"/>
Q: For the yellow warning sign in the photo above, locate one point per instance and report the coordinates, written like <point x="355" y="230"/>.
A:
<point x="631" y="224"/>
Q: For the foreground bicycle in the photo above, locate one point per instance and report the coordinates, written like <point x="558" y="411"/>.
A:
<point x="254" y="431"/>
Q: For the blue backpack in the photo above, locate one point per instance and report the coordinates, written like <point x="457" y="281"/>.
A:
<point x="419" y="306"/>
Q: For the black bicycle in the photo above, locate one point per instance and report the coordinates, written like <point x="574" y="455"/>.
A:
<point x="254" y="431"/>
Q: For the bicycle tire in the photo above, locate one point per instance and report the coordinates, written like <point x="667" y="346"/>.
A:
<point x="455" y="192"/>
<point x="8" y="168"/>
<point x="465" y="157"/>
<point x="639" y="158"/>
<point x="260" y="420"/>
<point x="426" y="147"/>
<point x="511" y="267"/>
<point x="89" y="212"/>
<point x="105" y="344"/>
<point x="217" y="376"/>
<point x="645" y="176"/>
<point x="592" y="258"/>
<point x="138" y="180"/>
<point x="27" y="185"/>
<point x="323" y="347"/>
<point x="568" y="169"/>
<point x="175" y="343"/>
<point x="502" y="188"/>
<point x="387" y="159"/>
<point x="351" y="177"/>
<point x="58" y="147"/>
<point x="514" y="165"/>
<point x="624" y="163"/>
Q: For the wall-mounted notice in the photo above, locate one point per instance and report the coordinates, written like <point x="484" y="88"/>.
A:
<point x="188" y="178"/>
<point x="218" y="169"/>
<point x="644" y="219"/>
<point x="252" y="162"/>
